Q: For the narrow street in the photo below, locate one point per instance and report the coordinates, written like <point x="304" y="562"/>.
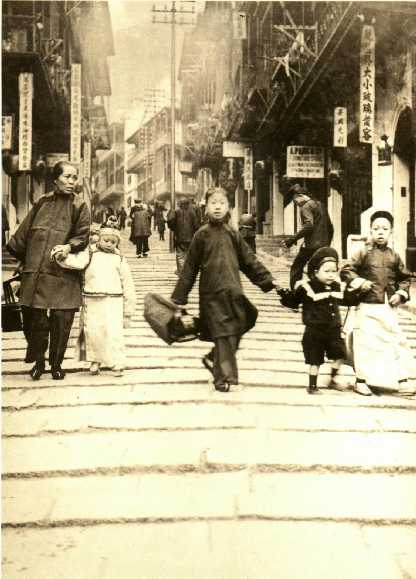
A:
<point x="155" y="475"/>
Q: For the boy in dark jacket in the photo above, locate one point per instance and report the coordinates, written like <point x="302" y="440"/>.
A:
<point x="320" y="297"/>
<point x="219" y="253"/>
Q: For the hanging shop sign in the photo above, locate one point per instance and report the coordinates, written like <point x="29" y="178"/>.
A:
<point x="25" y="120"/>
<point x="233" y="149"/>
<point x="87" y="159"/>
<point x="340" y="127"/>
<point x="75" y="153"/>
<point x="305" y="162"/>
<point x="239" y="25"/>
<point x="6" y="132"/>
<point x="367" y="84"/>
<point x="248" y="168"/>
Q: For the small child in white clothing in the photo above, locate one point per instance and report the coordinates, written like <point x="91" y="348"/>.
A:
<point x="108" y="301"/>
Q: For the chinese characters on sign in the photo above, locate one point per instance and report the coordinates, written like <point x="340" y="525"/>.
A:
<point x="75" y="114"/>
<point x="87" y="159"/>
<point x="248" y="168"/>
<point x="25" y="120"/>
<point x="340" y="127"/>
<point x="367" y="84"/>
<point x="305" y="162"/>
<point x="6" y="132"/>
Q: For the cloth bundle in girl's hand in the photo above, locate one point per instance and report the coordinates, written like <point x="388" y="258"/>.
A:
<point x="168" y="320"/>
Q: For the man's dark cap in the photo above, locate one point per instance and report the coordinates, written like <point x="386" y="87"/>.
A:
<point x="320" y="256"/>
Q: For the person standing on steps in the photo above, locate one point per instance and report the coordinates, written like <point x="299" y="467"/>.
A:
<point x="183" y="222"/>
<point x="122" y="215"/>
<point x="140" y="229"/>
<point x="59" y="220"/>
<point x="317" y="230"/>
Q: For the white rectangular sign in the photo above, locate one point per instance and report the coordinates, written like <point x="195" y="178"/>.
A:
<point x="6" y="132"/>
<point x="367" y="84"/>
<point x="305" y="162"/>
<point x="75" y="153"/>
<point x="248" y="168"/>
<point x="87" y="159"/>
<point x="25" y="120"/>
<point x="340" y="127"/>
<point x="232" y="149"/>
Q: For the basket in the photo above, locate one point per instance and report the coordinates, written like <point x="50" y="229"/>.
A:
<point x="11" y="311"/>
<point x="169" y="321"/>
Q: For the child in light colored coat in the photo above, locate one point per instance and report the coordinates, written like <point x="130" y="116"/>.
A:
<point x="108" y="301"/>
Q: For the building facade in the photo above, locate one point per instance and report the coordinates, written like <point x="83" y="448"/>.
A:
<point x="41" y="43"/>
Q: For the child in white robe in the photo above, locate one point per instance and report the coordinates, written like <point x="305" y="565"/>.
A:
<point x="108" y="301"/>
<point x="382" y="357"/>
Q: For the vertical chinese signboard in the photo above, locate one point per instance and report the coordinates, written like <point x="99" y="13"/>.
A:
<point x="340" y="127"/>
<point x="6" y="132"/>
<point x="87" y="159"/>
<point x="367" y="84"/>
<point x="248" y="168"/>
<point x="25" y="120"/>
<point x="75" y="154"/>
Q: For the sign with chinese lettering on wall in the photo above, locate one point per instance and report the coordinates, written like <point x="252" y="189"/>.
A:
<point x="239" y="25"/>
<point x="6" y="132"/>
<point x="87" y="159"/>
<point x="75" y="154"/>
<point x="367" y="84"/>
<point x="340" y="127"/>
<point x="25" y="120"/>
<point x="248" y="168"/>
<point x="305" y="162"/>
<point x="232" y="149"/>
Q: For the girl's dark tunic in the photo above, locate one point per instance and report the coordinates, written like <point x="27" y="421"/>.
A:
<point x="219" y="253"/>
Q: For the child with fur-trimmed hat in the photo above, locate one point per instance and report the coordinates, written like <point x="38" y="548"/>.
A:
<point x="320" y="297"/>
<point x="108" y="301"/>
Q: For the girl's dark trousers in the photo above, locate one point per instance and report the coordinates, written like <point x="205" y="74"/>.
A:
<point x="38" y="326"/>
<point x="223" y="356"/>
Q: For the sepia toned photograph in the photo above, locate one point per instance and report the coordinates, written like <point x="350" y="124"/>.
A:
<point x="208" y="289"/>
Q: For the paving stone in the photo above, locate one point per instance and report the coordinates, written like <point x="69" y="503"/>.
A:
<point x="359" y="497"/>
<point x="127" y="497"/>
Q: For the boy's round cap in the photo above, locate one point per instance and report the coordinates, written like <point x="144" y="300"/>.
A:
<point x="320" y="256"/>
<point x="384" y="214"/>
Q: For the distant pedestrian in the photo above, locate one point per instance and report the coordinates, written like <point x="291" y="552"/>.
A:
<point x="141" y="230"/>
<point x="218" y="253"/>
<point x="317" y="230"/>
<point x="122" y="215"/>
<point x="183" y="222"/>
<point x="161" y="225"/>
<point x="321" y="296"/>
<point x="5" y="227"/>
<point x="382" y="357"/>
<point x="108" y="302"/>
<point x="247" y="228"/>
<point x="49" y="295"/>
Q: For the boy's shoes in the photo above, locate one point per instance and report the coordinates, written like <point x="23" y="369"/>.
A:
<point x="58" y="373"/>
<point x="144" y="254"/>
<point x="362" y="388"/>
<point x="405" y="389"/>
<point x="223" y="387"/>
<point x="209" y="365"/>
<point x="313" y="390"/>
<point x="117" y="371"/>
<point x="333" y="385"/>
<point x="95" y="368"/>
<point x="37" y="371"/>
<point x="138" y="255"/>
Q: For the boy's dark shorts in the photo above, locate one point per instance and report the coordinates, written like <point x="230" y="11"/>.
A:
<point x="318" y="341"/>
